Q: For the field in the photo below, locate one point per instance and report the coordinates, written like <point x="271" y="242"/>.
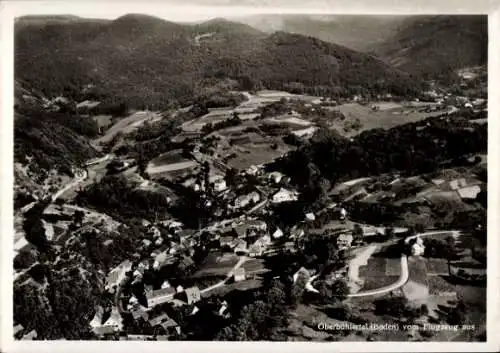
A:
<point x="417" y="270"/>
<point x="216" y="265"/>
<point x="379" y="272"/>
<point x="304" y="326"/>
<point x="252" y="154"/>
<point x="392" y="267"/>
<point x="127" y="125"/>
<point x="254" y="266"/>
<point x="170" y="157"/>
<point x="437" y="267"/>
<point x="289" y="120"/>
<point x="242" y="286"/>
<point x="246" y="110"/>
<point x="390" y="114"/>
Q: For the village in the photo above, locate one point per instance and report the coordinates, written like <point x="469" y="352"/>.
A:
<point x="243" y="216"/>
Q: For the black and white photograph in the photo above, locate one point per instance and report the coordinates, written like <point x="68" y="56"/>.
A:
<point x="218" y="176"/>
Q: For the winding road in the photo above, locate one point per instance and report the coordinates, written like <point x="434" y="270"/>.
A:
<point x="405" y="274"/>
<point x="81" y="176"/>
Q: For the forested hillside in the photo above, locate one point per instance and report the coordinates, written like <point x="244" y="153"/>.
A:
<point x="147" y="61"/>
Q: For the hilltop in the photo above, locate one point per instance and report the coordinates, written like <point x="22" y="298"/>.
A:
<point x="145" y="60"/>
<point x="434" y="46"/>
<point x="358" y="32"/>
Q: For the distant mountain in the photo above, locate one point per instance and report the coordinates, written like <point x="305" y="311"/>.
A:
<point x="148" y="61"/>
<point x="432" y="46"/>
<point x="359" y="32"/>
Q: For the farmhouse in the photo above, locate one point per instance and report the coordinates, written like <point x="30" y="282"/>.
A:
<point x="344" y="241"/>
<point x="275" y="177"/>
<point x="284" y="195"/>
<point x="191" y="295"/>
<point x="219" y="184"/>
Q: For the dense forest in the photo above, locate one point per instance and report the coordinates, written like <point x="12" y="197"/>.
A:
<point x="114" y="196"/>
<point x="176" y="67"/>
<point x="404" y="148"/>
<point x="53" y="139"/>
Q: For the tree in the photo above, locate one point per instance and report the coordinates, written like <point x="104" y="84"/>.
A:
<point x="78" y="216"/>
<point x="357" y="232"/>
<point x="230" y="176"/>
<point x="457" y="315"/>
<point x="389" y="232"/>
<point x="395" y="306"/>
<point x="419" y="227"/>
<point x="340" y="289"/>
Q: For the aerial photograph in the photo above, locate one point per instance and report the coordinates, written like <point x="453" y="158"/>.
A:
<point x="260" y="177"/>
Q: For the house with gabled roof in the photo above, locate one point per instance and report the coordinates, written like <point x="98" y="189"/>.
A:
<point x="192" y="295"/>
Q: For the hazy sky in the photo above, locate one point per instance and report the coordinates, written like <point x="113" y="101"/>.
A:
<point x="198" y="10"/>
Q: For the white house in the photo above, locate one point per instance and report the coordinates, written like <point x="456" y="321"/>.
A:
<point x="310" y="216"/>
<point x="278" y="233"/>
<point x="417" y="249"/>
<point x="254" y="170"/>
<point x="219" y="184"/>
<point x="276" y="177"/>
<point x="344" y="241"/>
<point x="284" y="195"/>
<point x="469" y="192"/>
<point x="343" y="213"/>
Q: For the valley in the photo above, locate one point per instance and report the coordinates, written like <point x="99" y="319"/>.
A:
<point x="216" y="181"/>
